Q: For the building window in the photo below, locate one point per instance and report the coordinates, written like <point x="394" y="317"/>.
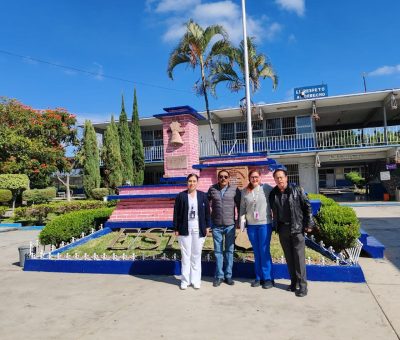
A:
<point x="303" y="124"/>
<point x="273" y="127"/>
<point x="238" y="130"/>
<point x="288" y="126"/>
<point x="293" y="173"/>
<point x="152" y="138"/>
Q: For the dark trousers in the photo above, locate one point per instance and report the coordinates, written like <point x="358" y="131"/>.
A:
<point x="293" y="246"/>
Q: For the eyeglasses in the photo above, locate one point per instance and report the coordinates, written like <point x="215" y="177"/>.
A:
<point x="254" y="177"/>
<point x="223" y="177"/>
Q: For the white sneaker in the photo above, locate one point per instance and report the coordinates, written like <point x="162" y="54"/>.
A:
<point x="196" y="286"/>
<point x="183" y="287"/>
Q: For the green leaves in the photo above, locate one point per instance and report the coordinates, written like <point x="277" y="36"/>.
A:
<point x="90" y="159"/>
<point x="137" y="145"/>
<point x="14" y="182"/>
<point x="33" y="142"/>
<point x="73" y="224"/>
<point x="111" y="155"/>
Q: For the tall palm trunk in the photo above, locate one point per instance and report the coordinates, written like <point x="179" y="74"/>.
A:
<point x="203" y="80"/>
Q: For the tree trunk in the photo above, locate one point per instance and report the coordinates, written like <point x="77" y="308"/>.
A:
<point x="203" y="80"/>
<point x="67" y="188"/>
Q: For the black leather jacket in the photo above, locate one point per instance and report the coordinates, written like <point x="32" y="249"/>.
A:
<point x="300" y="209"/>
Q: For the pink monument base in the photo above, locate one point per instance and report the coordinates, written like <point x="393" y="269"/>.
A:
<point x="152" y="205"/>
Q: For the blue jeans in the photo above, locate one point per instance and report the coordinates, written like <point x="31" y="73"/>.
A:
<point x="260" y="239"/>
<point x="223" y="254"/>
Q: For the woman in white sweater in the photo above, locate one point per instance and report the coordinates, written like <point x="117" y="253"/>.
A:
<point x="255" y="214"/>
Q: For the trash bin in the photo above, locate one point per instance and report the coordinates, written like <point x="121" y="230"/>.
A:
<point x="397" y="194"/>
<point x="23" y="252"/>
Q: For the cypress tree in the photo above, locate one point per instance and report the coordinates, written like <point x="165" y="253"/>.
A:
<point x="125" y="143"/>
<point x="90" y="160"/>
<point x="137" y="145"/>
<point x="112" y="157"/>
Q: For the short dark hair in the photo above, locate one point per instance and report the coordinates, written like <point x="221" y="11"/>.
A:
<point x="280" y="169"/>
<point x="192" y="175"/>
<point x="223" y="170"/>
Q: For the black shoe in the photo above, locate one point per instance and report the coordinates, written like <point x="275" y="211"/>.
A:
<point x="229" y="281"/>
<point x="255" y="283"/>
<point x="302" y="292"/>
<point x="291" y="288"/>
<point x="267" y="284"/>
<point x="217" y="282"/>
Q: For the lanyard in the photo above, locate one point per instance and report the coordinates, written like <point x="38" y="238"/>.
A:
<point x="255" y="197"/>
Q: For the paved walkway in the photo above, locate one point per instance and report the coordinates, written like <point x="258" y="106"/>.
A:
<point x="78" y="306"/>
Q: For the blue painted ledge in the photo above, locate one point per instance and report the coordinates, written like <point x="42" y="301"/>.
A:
<point x="371" y="245"/>
<point x="167" y="267"/>
<point x="10" y="225"/>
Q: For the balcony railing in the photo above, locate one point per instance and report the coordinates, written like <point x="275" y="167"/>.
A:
<point x="153" y="153"/>
<point x="355" y="138"/>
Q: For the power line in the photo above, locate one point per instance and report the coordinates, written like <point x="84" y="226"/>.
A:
<point x="72" y="68"/>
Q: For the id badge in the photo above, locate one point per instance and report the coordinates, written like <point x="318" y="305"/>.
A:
<point x="256" y="215"/>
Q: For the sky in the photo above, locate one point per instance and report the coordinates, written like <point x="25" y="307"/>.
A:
<point x="83" y="55"/>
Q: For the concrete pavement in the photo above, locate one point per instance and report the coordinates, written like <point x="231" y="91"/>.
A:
<point x="86" y="306"/>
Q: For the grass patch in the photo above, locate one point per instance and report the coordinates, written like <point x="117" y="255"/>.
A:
<point x="139" y="245"/>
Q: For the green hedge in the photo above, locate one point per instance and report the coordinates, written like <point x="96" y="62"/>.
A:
<point x="339" y="226"/>
<point x="3" y="210"/>
<point x="73" y="224"/>
<point x="5" y="196"/>
<point x="39" y="196"/>
<point x="325" y="201"/>
<point x="99" y="193"/>
<point x="40" y="212"/>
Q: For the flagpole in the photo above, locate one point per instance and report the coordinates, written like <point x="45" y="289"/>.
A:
<point x="246" y="75"/>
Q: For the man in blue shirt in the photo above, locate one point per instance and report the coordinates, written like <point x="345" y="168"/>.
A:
<point x="224" y="198"/>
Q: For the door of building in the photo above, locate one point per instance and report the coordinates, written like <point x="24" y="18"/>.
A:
<point x="330" y="180"/>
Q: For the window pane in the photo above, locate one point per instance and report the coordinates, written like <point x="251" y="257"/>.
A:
<point x="288" y="126"/>
<point x="304" y="124"/>
<point x="273" y="127"/>
<point x="227" y="131"/>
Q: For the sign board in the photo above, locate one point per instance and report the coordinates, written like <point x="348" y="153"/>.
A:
<point x="310" y="92"/>
<point x="391" y="166"/>
<point x="385" y="175"/>
<point x="239" y="175"/>
<point x="176" y="162"/>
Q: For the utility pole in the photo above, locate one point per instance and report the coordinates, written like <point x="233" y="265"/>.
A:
<point x="246" y="73"/>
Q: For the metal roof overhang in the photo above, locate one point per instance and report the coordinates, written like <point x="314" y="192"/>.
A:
<point x="349" y="109"/>
<point x="358" y="108"/>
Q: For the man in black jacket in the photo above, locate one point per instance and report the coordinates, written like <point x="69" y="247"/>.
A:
<point x="223" y="197"/>
<point x="292" y="217"/>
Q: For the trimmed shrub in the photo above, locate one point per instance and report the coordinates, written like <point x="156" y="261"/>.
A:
<point x="39" y="195"/>
<point x="99" y="193"/>
<point x="339" y="226"/>
<point x="5" y="196"/>
<point x="355" y="178"/>
<point x="73" y="224"/>
<point x="40" y="211"/>
<point x="3" y="210"/>
<point x="325" y="201"/>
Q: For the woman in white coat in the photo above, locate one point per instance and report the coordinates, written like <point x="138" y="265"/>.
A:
<point x="191" y="223"/>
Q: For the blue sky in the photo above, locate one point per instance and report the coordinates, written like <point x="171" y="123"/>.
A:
<point x="309" y="42"/>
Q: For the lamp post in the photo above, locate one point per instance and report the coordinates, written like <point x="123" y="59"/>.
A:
<point x="247" y="81"/>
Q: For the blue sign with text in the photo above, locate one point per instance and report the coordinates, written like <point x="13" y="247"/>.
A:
<point x="310" y="92"/>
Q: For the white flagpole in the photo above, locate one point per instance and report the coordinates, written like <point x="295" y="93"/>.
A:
<point x="246" y="74"/>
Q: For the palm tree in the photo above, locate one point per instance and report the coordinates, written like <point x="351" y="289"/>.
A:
<point x="195" y="49"/>
<point x="259" y="67"/>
